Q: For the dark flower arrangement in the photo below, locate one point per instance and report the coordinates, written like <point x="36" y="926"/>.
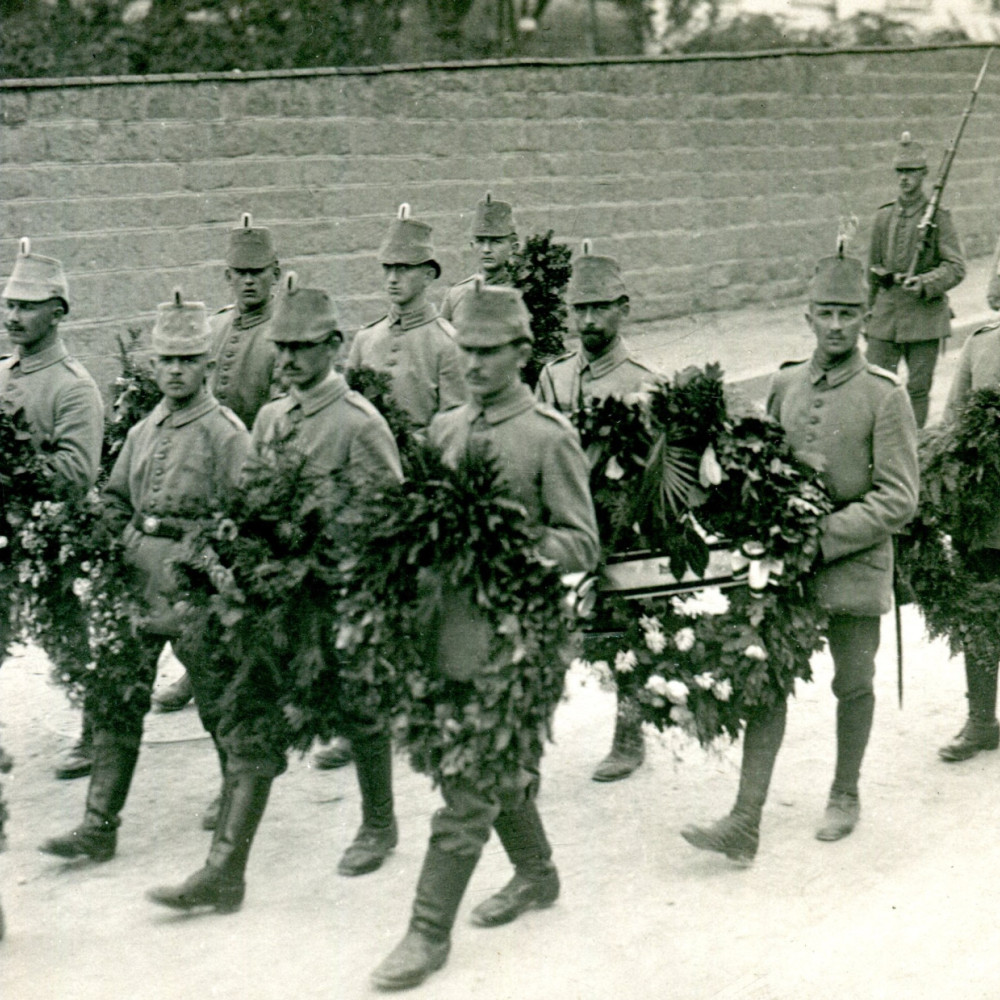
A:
<point x="327" y="605"/>
<point x="540" y="270"/>
<point x="959" y="487"/>
<point x="673" y="473"/>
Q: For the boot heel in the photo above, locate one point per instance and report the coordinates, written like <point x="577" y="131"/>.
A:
<point x="229" y="900"/>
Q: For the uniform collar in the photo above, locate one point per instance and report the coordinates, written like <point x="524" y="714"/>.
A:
<point x="418" y="316"/>
<point x="616" y="355"/>
<point x="36" y="362"/>
<point x="332" y="388"/>
<point x="248" y="320"/>
<point x="839" y="373"/>
<point x="202" y="404"/>
<point x="913" y="208"/>
<point x="515" y="400"/>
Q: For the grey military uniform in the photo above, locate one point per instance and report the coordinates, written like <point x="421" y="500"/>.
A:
<point x="418" y="350"/>
<point x="244" y="376"/>
<point x="569" y="382"/>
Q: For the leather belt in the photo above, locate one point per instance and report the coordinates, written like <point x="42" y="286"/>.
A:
<point x="159" y="527"/>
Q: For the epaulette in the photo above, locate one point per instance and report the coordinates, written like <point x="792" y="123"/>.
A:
<point x="547" y="410"/>
<point x="78" y="369"/>
<point x="888" y="204"/>
<point x="224" y="309"/>
<point x="231" y="417"/>
<point x="790" y="364"/>
<point x="569" y="355"/>
<point x="884" y="373"/>
<point x="465" y="281"/>
<point x="992" y="325"/>
<point x="361" y="402"/>
<point x="445" y="326"/>
<point x="376" y="322"/>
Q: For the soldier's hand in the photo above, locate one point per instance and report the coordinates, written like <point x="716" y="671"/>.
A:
<point x="914" y="284"/>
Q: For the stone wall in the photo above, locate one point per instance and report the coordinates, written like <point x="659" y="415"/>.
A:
<point x="716" y="181"/>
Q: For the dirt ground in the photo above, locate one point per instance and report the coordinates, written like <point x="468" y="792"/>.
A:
<point x="904" y="908"/>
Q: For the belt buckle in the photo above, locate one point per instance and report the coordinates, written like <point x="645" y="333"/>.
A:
<point x="150" y="524"/>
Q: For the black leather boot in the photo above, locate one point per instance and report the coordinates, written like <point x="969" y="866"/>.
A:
<point x="738" y="834"/>
<point x="378" y="834"/>
<point x="424" y="949"/>
<point x="628" y="748"/>
<point x="77" y="761"/>
<point x="110" y="779"/>
<point x="535" y="884"/>
<point x="981" y="730"/>
<point x="220" y="884"/>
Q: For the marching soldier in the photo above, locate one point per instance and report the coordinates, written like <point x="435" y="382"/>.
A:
<point x="494" y="238"/>
<point x="412" y="342"/>
<point x="176" y="467"/>
<point x="602" y="366"/>
<point x="978" y="368"/>
<point x="63" y="408"/>
<point x="335" y="429"/>
<point x="414" y="345"/>
<point x="910" y="315"/>
<point x="539" y="456"/>
<point x="855" y="422"/>
<point x="243" y="376"/>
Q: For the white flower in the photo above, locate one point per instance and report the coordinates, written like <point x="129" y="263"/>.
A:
<point x="3" y="542"/>
<point x="81" y="587"/>
<point x="723" y="689"/>
<point x="682" y="716"/>
<point x="650" y="624"/>
<point x="709" y="471"/>
<point x="677" y="692"/>
<point x="625" y="661"/>
<point x="755" y="652"/>
<point x="657" y="685"/>
<point x="613" y="470"/>
<point x="656" y="641"/>
<point x="710" y="601"/>
<point x="684" y="639"/>
<point x="704" y="681"/>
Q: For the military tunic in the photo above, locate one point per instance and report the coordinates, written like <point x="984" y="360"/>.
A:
<point x="540" y="460"/>
<point x="898" y="315"/>
<point x="568" y="383"/>
<point x="244" y="376"/>
<point x="854" y="422"/>
<point x="978" y="368"/>
<point x="63" y="407"/>
<point x="176" y="468"/>
<point x="418" y="350"/>
<point x="457" y="292"/>
<point x="334" y="428"/>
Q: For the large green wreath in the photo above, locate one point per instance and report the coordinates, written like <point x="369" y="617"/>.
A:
<point x="673" y="472"/>
<point x="959" y="491"/>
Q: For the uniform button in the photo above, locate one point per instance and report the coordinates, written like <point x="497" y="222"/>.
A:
<point x="391" y="363"/>
<point x="810" y="437"/>
<point x="818" y="403"/>
<point x="814" y="420"/>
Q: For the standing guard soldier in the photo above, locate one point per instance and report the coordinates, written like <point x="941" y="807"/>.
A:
<point x="910" y="315"/>
<point x="978" y="368"/>
<point x="63" y="408"/>
<point x="853" y="421"/>
<point x="175" y="469"/>
<point x="539" y="457"/>
<point x="494" y="238"/>
<point x="336" y="430"/>
<point x="601" y="367"/>
<point x="412" y="342"/>
<point x="243" y="376"/>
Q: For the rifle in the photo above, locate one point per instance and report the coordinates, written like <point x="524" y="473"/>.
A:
<point x="927" y="221"/>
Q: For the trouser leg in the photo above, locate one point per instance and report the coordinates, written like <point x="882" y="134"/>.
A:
<point x="854" y="640"/>
<point x="921" y="360"/>
<point x="884" y="353"/>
